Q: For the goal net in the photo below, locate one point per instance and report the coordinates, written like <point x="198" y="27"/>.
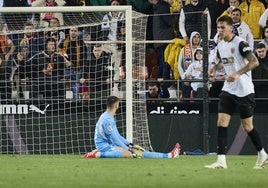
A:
<point x="57" y="77"/>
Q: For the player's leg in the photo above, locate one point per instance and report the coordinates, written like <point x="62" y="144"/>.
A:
<point x="173" y="154"/>
<point x="246" y="117"/>
<point x="256" y="140"/>
<point x="113" y="152"/>
<point x="226" y="109"/>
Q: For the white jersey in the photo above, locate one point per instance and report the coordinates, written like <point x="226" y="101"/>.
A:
<point x="232" y="55"/>
<point x="195" y="71"/>
<point x="110" y="22"/>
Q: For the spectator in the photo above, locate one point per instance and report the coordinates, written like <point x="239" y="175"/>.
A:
<point x="46" y="71"/>
<point x="18" y="73"/>
<point x="32" y="40"/>
<point x="97" y="73"/>
<point x="46" y="17"/>
<point x="264" y="19"/>
<point x="5" y="69"/>
<point x="265" y="37"/>
<point x="191" y="19"/>
<point x="251" y="13"/>
<point x="113" y="23"/>
<point x="232" y="5"/>
<point x="156" y="91"/>
<point x="75" y="50"/>
<point x="240" y="28"/>
<point x="6" y="47"/>
<point x="145" y="7"/>
<point x="57" y="34"/>
<point x="186" y="57"/>
<point x="163" y="23"/>
<point x="261" y="72"/>
<point x="195" y="72"/>
<point x="216" y="8"/>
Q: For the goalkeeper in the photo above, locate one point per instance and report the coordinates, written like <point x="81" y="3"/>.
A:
<point x="110" y="144"/>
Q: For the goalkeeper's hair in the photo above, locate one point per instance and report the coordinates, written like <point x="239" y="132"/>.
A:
<point x="111" y="101"/>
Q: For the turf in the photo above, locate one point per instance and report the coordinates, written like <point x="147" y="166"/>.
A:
<point x="71" y="171"/>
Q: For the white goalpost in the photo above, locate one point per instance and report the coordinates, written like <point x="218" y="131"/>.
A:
<point x="50" y="101"/>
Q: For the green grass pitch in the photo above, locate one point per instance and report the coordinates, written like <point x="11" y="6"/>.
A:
<point x="72" y="171"/>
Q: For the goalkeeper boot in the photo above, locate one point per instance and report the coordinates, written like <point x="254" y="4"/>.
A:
<point x="176" y="151"/>
<point x="92" y="154"/>
<point x="262" y="160"/>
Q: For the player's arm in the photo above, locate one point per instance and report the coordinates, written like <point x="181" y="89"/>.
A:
<point x="125" y="141"/>
<point x="213" y="68"/>
<point x="132" y="147"/>
<point x="117" y="141"/>
<point x="252" y="63"/>
<point x="248" y="54"/>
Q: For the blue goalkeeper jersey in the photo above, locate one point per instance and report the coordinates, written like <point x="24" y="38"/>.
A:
<point x="107" y="135"/>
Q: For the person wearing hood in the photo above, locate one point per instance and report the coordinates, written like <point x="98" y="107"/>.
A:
<point x="195" y="72"/>
<point x="190" y="20"/>
<point x="186" y="57"/>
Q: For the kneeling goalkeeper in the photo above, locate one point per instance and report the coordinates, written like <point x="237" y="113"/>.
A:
<point x="110" y="144"/>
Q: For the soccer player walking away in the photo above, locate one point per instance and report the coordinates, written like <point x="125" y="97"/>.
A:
<point x="238" y="60"/>
<point x="110" y="144"/>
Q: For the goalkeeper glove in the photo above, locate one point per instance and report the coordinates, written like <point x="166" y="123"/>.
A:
<point x="136" y="154"/>
<point x="137" y="147"/>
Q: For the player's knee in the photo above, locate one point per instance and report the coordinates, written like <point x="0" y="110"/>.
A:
<point x="248" y="128"/>
<point x="222" y="122"/>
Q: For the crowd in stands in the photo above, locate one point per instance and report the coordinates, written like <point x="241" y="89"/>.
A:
<point x="50" y="55"/>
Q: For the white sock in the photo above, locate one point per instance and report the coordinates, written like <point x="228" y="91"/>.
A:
<point x="222" y="158"/>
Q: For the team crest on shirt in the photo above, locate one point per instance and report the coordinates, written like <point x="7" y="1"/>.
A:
<point x="109" y="128"/>
<point x="232" y="50"/>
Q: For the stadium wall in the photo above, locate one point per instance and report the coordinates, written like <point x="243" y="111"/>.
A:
<point x="183" y="123"/>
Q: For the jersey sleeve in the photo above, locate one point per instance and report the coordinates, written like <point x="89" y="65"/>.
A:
<point x="244" y="48"/>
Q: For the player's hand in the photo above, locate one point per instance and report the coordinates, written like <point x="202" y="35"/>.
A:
<point x="137" y="154"/>
<point x="137" y="147"/>
<point x="232" y="77"/>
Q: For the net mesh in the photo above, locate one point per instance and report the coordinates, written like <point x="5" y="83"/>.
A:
<point x="55" y="83"/>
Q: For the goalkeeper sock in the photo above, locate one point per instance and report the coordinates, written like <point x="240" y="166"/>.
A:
<point x="148" y="154"/>
<point x="111" y="154"/>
